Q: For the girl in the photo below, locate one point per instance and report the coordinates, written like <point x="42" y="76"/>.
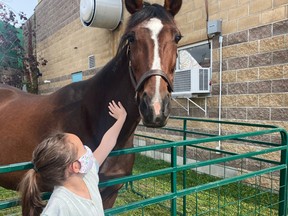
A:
<point x="63" y="163"/>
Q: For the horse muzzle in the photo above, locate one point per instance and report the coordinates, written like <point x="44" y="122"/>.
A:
<point x="154" y="114"/>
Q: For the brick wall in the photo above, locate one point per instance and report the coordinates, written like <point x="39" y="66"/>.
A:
<point x="66" y="44"/>
<point x="54" y="15"/>
<point x="255" y="56"/>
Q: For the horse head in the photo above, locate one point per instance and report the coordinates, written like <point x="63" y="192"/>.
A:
<point x="151" y="37"/>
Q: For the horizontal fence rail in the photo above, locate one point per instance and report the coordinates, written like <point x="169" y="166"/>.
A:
<point x="186" y="174"/>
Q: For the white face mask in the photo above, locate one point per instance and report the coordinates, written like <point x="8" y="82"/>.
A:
<point x="86" y="161"/>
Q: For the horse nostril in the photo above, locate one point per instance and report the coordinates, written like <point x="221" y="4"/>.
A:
<point x="157" y="119"/>
<point x="144" y="95"/>
<point x="144" y="103"/>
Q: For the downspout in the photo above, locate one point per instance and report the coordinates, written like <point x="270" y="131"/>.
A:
<point x="220" y="75"/>
<point x="220" y="88"/>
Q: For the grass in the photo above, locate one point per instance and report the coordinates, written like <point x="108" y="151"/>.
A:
<point x="233" y="199"/>
<point x="9" y="195"/>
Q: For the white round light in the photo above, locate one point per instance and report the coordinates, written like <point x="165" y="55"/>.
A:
<point x="101" y="13"/>
<point x="87" y="8"/>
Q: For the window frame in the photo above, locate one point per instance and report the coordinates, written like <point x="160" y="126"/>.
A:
<point x="195" y="45"/>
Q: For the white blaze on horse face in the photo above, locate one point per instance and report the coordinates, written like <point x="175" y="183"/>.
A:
<point x="155" y="26"/>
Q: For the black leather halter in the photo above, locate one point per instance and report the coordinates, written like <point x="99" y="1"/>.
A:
<point x="146" y="76"/>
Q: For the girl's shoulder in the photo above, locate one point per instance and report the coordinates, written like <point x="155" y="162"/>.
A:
<point x="57" y="205"/>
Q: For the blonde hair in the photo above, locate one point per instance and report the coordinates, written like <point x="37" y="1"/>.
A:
<point x="51" y="159"/>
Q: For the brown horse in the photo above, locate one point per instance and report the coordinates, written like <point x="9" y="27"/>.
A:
<point x="140" y="76"/>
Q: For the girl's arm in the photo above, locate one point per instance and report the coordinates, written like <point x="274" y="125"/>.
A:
<point x="109" y="139"/>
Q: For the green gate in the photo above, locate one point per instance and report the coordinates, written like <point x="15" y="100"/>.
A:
<point x="186" y="168"/>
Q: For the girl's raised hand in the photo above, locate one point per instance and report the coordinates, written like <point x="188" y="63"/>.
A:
<point x="117" y="111"/>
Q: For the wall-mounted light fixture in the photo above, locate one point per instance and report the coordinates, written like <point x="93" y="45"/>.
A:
<point x="47" y="81"/>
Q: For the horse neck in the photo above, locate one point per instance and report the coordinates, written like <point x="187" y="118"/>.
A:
<point x="113" y="77"/>
<point x="112" y="83"/>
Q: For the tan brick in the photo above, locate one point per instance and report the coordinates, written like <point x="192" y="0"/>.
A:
<point x="200" y="24"/>
<point x="229" y="27"/>
<point x="247" y="75"/>
<point x="259" y="5"/>
<point x="264" y="100"/>
<point x="285" y="71"/>
<point x="271" y="100"/>
<point x="188" y="6"/>
<point x="184" y="19"/>
<point x="215" y="78"/>
<point x="230" y="52"/>
<point x="213" y="8"/>
<point x="286" y="41"/>
<point x="273" y="15"/>
<point x="204" y="125"/>
<point x="228" y="76"/>
<point x="213" y="101"/>
<point x="242" y="2"/>
<point x="196" y="15"/>
<point x="272" y="44"/>
<point x="229" y="101"/>
<point x="247" y="48"/>
<point x="185" y="31"/>
<point x="247" y="101"/>
<point x="194" y="37"/>
<point x="271" y="72"/>
<point x="277" y="3"/>
<point x="215" y="54"/>
<point x="227" y="4"/>
<point x="248" y="22"/>
<point x="236" y="128"/>
<point x="223" y="15"/>
<point x="238" y="12"/>
<point x="285" y="100"/>
<point x="283" y="124"/>
<point x="196" y="4"/>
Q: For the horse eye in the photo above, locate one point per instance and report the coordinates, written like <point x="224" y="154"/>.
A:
<point x="178" y="38"/>
<point x="131" y="37"/>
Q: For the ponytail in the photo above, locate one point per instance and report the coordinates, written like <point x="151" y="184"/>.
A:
<point x="32" y="204"/>
<point x="51" y="159"/>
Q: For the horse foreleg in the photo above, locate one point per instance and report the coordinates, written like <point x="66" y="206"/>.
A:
<point x="109" y="195"/>
<point x="114" y="167"/>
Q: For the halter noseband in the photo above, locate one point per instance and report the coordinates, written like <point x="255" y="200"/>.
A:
<point x="146" y="76"/>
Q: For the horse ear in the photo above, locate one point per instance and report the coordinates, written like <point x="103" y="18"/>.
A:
<point x="133" y="6"/>
<point x="173" y="6"/>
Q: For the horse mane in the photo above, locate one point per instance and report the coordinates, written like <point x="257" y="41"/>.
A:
<point x="149" y="11"/>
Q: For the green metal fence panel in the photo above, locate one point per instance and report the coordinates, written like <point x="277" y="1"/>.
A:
<point x="185" y="174"/>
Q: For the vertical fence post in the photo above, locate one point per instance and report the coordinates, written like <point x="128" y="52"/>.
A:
<point x="174" y="180"/>
<point x="283" y="178"/>
<point x="184" y="162"/>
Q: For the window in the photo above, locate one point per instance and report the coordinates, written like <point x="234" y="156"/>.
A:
<point x="194" y="56"/>
<point x="76" y="77"/>
<point x="193" y="70"/>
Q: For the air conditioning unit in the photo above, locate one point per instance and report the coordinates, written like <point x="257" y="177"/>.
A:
<point x="189" y="82"/>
